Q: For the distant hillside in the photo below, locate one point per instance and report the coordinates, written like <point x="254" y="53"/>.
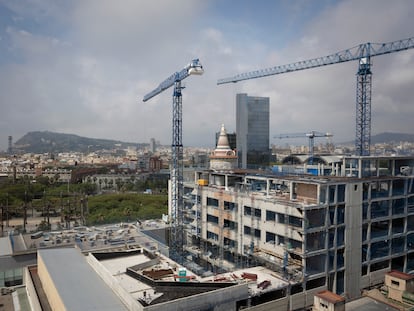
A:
<point x="43" y="142"/>
<point x="391" y="137"/>
<point x="387" y="137"/>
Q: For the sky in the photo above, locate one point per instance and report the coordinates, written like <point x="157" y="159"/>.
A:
<point x="83" y="66"/>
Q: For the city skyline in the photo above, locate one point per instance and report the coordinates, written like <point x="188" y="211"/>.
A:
<point x="83" y="67"/>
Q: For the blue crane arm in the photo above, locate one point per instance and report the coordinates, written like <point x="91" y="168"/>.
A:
<point x="361" y="51"/>
<point x="194" y="67"/>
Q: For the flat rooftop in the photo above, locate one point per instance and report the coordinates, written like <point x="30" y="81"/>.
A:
<point x="79" y="286"/>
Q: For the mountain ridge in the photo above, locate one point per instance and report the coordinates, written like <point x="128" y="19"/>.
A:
<point x="46" y="141"/>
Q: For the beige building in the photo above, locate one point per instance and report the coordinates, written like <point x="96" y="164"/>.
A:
<point x="340" y="229"/>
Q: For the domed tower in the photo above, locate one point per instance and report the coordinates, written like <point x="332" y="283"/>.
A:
<point x="223" y="157"/>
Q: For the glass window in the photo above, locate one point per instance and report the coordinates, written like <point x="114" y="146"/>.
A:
<point x="397" y="245"/>
<point x="270" y="216"/>
<point x="398" y="206"/>
<point x="398" y="187"/>
<point x="364" y="211"/>
<point x="270" y="237"/>
<point x="340" y="258"/>
<point x="364" y="232"/>
<point x="379" y="189"/>
<point x="247" y="230"/>
<point x="410" y="223"/>
<point x="212" y="202"/>
<point x="257" y="213"/>
<point x="212" y="219"/>
<point x="331" y="215"/>
<point x="322" y="195"/>
<point x="230" y="206"/>
<point x="331" y="238"/>
<point x="341" y="193"/>
<point x="340" y="214"/>
<point x="398" y="225"/>
<point x="295" y="221"/>
<point x="364" y="252"/>
<point x="247" y="210"/>
<point x="380" y="249"/>
<point x="379" y="229"/>
<point x="332" y="194"/>
<point x="340" y="236"/>
<point x="380" y="265"/>
<point x="379" y="209"/>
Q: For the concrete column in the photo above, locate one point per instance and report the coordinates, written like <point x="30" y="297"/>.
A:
<point x="353" y="232"/>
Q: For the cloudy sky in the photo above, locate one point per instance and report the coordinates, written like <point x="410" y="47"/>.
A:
<point x="83" y="66"/>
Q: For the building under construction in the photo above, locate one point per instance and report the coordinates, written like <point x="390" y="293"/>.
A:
<point x="338" y="227"/>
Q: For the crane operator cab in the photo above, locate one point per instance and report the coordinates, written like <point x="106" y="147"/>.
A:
<point x="195" y="67"/>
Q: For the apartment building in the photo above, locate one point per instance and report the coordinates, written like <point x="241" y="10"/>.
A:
<point x="340" y="231"/>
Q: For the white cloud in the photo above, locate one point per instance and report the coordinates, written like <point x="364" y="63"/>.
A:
<point x="89" y="76"/>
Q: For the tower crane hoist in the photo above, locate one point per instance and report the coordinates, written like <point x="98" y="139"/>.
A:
<point x="176" y="241"/>
<point x="363" y="53"/>
<point x="311" y="137"/>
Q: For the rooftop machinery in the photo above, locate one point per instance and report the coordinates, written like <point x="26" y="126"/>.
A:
<point x="363" y="54"/>
<point x="311" y="137"/>
<point x="176" y="240"/>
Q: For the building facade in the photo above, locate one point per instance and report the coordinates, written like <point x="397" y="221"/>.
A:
<point x="341" y="231"/>
<point x="252" y="128"/>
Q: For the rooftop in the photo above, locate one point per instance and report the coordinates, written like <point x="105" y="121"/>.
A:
<point x="78" y="285"/>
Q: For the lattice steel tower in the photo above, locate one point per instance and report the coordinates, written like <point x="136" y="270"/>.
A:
<point x="176" y="241"/>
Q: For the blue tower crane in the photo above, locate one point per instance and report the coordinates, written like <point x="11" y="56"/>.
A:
<point x="176" y="241"/>
<point x="311" y="137"/>
<point x="363" y="53"/>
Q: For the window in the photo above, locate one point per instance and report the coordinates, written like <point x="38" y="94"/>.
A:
<point x="270" y="216"/>
<point x="212" y="219"/>
<point x="212" y="236"/>
<point x="340" y="213"/>
<point x="270" y="237"/>
<point x="398" y="206"/>
<point x="247" y="230"/>
<point x="322" y="195"/>
<point x="247" y="210"/>
<point x="379" y="209"/>
<point x="212" y="202"/>
<point x="257" y="213"/>
<point x="331" y="194"/>
<point x="295" y="221"/>
<point x="398" y="187"/>
<point x="230" y="206"/>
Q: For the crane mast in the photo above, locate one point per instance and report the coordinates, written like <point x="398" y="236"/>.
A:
<point x="176" y="241"/>
<point x="363" y="53"/>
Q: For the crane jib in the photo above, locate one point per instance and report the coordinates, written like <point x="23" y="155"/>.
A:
<point x="358" y="52"/>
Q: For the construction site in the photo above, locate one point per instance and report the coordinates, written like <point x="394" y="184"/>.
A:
<point x="325" y="223"/>
<point x="314" y="231"/>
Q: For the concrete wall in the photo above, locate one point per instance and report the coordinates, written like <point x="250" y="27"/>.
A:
<point x="31" y="292"/>
<point x="49" y="288"/>
<point x="293" y="302"/>
<point x="106" y="276"/>
<point x="218" y="300"/>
